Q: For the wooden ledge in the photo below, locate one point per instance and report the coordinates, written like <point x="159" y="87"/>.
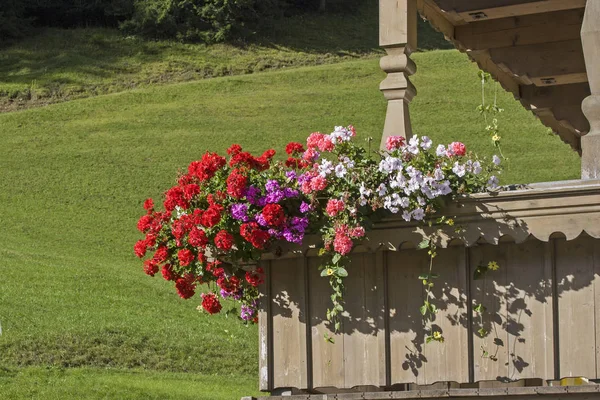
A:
<point x="518" y="213"/>
<point x="516" y="393"/>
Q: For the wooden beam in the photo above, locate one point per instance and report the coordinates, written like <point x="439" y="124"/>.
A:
<point x="507" y="81"/>
<point x="545" y="64"/>
<point x="590" y="143"/>
<point x="477" y="10"/>
<point x="518" y="31"/>
<point x="428" y="10"/>
<point x="553" y="96"/>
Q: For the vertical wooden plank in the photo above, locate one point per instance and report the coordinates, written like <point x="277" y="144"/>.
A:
<point x="577" y="325"/>
<point x="307" y="317"/>
<point x="595" y="244"/>
<point x="382" y="260"/>
<point x="491" y="293"/>
<point x="328" y="358"/>
<point x="412" y="360"/>
<point x="405" y="322"/>
<point x="551" y="258"/>
<point x="362" y="324"/>
<point x="469" y="309"/>
<point x="518" y="299"/>
<point x="265" y="340"/>
<point x="289" y="330"/>
<point x="449" y="361"/>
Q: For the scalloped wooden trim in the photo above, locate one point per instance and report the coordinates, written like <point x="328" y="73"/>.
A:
<point x="537" y="211"/>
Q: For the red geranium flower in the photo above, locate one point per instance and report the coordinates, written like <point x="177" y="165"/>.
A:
<point x="212" y="215"/>
<point x="149" y="205"/>
<point x="140" y="248"/>
<point x="210" y="302"/>
<point x="150" y="267"/>
<point x="185" y="257"/>
<point x="224" y="240"/>
<point x="236" y="184"/>
<point x="206" y="168"/>
<point x="190" y="190"/>
<point x="186" y="286"/>
<point x="197" y="238"/>
<point x="175" y="197"/>
<point x="230" y="285"/>
<point x="273" y="214"/>
<point x="293" y="148"/>
<point x="234" y="149"/>
<point x="161" y="254"/>
<point x="256" y="277"/>
<point x="168" y="273"/>
<point x="144" y="223"/>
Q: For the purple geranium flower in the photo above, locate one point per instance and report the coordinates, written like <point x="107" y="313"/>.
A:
<point x="239" y="211"/>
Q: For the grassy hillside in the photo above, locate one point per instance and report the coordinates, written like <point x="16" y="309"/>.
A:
<point x="64" y="64"/>
<point x="73" y="177"/>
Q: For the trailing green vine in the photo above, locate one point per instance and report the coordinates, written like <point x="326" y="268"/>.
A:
<point x="490" y="110"/>
<point x="480" y="273"/>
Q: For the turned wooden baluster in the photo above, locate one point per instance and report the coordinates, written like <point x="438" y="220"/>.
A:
<point x="590" y="143"/>
<point x="398" y="36"/>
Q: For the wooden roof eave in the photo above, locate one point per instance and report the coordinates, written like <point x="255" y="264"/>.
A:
<point x="492" y="43"/>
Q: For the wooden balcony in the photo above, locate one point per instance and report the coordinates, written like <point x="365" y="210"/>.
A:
<point x="542" y="304"/>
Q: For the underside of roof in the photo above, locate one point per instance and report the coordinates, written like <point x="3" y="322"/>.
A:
<point x="531" y="47"/>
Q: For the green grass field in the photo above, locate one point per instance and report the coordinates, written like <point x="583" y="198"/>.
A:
<point x="57" y="65"/>
<point x="73" y="178"/>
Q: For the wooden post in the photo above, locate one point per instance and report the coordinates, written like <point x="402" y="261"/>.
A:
<point x="590" y="143"/>
<point x="398" y="36"/>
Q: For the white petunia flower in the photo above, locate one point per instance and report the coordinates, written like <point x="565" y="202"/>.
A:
<point x="426" y="143"/>
<point x="407" y="216"/>
<point x="340" y="170"/>
<point x="325" y="168"/>
<point x="413" y="145"/>
<point x="363" y="190"/>
<point x="340" y="134"/>
<point x="477" y="168"/>
<point x="492" y="183"/>
<point x="418" y="214"/>
<point x="382" y="190"/>
<point x="440" y="150"/>
<point x="349" y="163"/>
<point x="496" y="160"/>
<point x="459" y="170"/>
<point x="404" y="202"/>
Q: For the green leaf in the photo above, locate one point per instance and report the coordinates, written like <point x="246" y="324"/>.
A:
<point x="337" y="326"/>
<point x="480" y="308"/>
<point x="428" y="276"/>
<point x="324" y="272"/>
<point x="429" y="339"/>
<point x="342" y="272"/>
<point x="423" y="309"/>
<point x="482" y="332"/>
<point x="336" y="258"/>
<point x="424" y="244"/>
<point x="328" y="338"/>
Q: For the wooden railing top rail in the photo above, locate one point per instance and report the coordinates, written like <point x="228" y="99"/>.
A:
<point x="542" y="210"/>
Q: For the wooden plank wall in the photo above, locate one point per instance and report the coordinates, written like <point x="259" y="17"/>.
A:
<point x="542" y="309"/>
